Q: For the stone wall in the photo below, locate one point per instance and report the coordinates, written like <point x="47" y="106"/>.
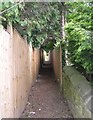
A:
<point x="78" y="92"/>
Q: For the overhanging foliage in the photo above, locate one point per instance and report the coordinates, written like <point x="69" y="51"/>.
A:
<point x="41" y="21"/>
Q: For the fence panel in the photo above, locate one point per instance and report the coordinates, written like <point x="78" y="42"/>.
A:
<point x="6" y="101"/>
<point x="19" y="67"/>
<point x="56" y="63"/>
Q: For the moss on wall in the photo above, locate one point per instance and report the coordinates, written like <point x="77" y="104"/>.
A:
<point x="76" y="89"/>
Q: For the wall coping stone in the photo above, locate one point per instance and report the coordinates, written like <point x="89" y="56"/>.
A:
<point x="82" y="86"/>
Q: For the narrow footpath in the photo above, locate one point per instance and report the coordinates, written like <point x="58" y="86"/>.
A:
<point x="45" y="99"/>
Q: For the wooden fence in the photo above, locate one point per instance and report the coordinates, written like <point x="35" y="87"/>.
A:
<point x="19" y="67"/>
<point x="56" y="63"/>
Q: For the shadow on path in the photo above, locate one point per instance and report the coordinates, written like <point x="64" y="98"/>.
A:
<point x="45" y="99"/>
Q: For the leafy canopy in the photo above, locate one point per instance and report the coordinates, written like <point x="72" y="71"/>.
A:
<point x="37" y="21"/>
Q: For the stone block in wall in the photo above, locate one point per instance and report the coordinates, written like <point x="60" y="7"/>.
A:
<point x="77" y="90"/>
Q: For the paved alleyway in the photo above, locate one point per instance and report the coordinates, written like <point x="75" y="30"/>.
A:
<point x="45" y="99"/>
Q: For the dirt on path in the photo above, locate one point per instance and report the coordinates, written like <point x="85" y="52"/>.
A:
<point x="45" y="99"/>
